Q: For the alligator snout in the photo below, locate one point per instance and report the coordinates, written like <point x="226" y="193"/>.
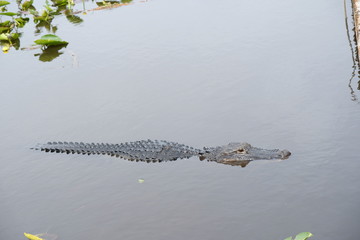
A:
<point x="285" y="154"/>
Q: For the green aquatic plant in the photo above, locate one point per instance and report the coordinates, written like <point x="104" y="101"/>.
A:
<point x="27" y="5"/>
<point x="50" y="40"/>
<point x="10" y="14"/>
<point x="300" y="236"/>
<point x="3" y="3"/>
<point x="12" y="22"/>
<point x="51" y="46"/>
<point x="10" y="29"/>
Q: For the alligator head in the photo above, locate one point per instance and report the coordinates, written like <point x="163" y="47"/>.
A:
<point x="240" y="154"/>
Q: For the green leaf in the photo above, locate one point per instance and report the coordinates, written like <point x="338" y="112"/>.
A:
<point x="104" y="3"/>
<point x="3" y="3"/>
<point x="45" y="16"/>
<point x="303" y="236"/>
<point x="3" y="37"/>
<point x="74" y="19"/>
<point x="288" y="238"/>
<point x="5" y="24"/>
<point x="34" y="12"/>
<point x="20" y="22"/>
<point x="9" y="36"/>
<point x="50" y="40"/>
<point x="4" y="29"/>
<point x="26" y="5"/>
<point x="15" y="36"/>
<point x="9" y="14"/>
<point x="59" y="3"/>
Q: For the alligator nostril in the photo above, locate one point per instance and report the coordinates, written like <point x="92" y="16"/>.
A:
<point x="285" y="154"/>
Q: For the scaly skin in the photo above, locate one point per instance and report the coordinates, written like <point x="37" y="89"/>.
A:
<point x="235" y="154"/>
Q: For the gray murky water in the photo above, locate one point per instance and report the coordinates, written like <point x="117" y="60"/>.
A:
<point x="203" y="73"/>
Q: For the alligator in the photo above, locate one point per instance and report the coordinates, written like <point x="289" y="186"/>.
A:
<point x="235" y="154"/>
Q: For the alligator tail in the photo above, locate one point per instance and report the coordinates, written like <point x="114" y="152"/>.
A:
<point x="145" y="150"/>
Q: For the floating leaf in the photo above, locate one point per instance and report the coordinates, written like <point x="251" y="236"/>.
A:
<point x="50" y="40"/>
<point x="5" y="24"/>
<point x="10" y="14"/>
<point x="33" y="12"/>
<point x="74" y="19"/>
<point x="9" y="36"/>
<point x="15" y="35"/>
<point x="141" y="180"/>
<point x="3" y="37"/>
<point x="3" y="3"/>
<point x="4" y="29"/>
<point x="20" y="22"/>
<point x="59" y="3"/>
<point x="32" y="237"/>
<point x="104" y="3"/>
<point x="303" y="236"/>
<point x="45" y="16"/>
<point x="300" y="236"/>
<point x="26" y="5"/>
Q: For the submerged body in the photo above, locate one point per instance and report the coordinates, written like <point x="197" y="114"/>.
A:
<point x="235" y="154"/>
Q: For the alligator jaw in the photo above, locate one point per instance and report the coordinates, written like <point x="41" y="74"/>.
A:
<point x="234" y="162"/>
<point x="240" y="154"/>
<point x="254" y="153"/>
<point x="243" y="159"/>
<point x="285" y="154"/>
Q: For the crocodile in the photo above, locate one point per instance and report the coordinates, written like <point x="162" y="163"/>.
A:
<point x="235" y="154"/>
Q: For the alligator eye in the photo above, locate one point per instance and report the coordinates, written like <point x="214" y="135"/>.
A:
<point x="240" y="150"/>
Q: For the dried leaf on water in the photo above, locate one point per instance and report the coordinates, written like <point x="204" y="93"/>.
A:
<point x="32" y="237"/>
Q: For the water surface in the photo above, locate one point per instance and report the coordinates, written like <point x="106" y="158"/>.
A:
<point x="203" y="73"/>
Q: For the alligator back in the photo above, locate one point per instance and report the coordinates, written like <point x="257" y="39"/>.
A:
<point x="145" y="150"/>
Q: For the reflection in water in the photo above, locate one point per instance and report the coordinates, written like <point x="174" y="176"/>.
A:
<point x="354" y="56"/>
<point x="49" y="53"/>
<point x="10" y="32"/>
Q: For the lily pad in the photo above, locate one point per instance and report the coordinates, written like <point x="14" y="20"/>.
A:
<point x="50" y="40"/>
